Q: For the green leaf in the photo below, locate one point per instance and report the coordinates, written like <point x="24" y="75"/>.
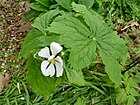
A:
<point x="131" y="82"/>
<point x="87" y="3"/>
<point x="76" y="77"/>
<point x="43" y="21"/>
<point x="46" y="3"/>
<point x="102" y="33"/>
<point x="38" y="6"/>
<point x="40" y="84"/>
<point x="131" y="100"/>
<point x="75" y="35"/>
<point x="30" y="14"/>
<point x="34" y="40"/>
<point x="113" y="49"/>
<point x="100" y="2"/>
<point x="133" y="92"/>
<point x="86" y="40"/>
<point x="65" y="4"/>
<point x="96" y="25"/>
<point x="31" y="42"/>
<point x="121" y="96"/>
<point x="112" y="68"/>
<point x="80" y="101"/>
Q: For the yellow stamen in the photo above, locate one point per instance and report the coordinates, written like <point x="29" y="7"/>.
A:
<point x="52" y="61"/>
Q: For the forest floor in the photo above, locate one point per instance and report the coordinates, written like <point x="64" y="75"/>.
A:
<point x="13" y="28"/>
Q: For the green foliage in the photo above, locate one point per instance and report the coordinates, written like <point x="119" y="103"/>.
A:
<point x="94" y="55"/>
<point x="30" y="14"/>
<point x="37" y="6"/>
<point x="76" y="77"/>
<point x="80" y="101"/>
<point x="40" y="84"/>
<point x="34" y="40"/>
<point x="29" y="42"/>
<point x="85" y="42"/>
<point x="46" y="3"/>
<point x="127" y="94"/>
<point x="121" y="96"/>
<point x="65" y="4"/>
<point x="43" y="21"/>
<point x="75" y="35"/>
<point x="87" y="3"/>
<point x="134" y="5"/>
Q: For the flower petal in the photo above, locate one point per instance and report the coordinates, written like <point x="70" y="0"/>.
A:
<point x="44" y="52"/>
<point x="50" y="70"/>
<point x="55" y="48"/>
<point x="59" y="66"/>
<point x="44" y="65"/>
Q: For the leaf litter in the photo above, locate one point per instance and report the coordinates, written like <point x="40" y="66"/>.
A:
<point x="13" y="28"/>
<point x="4" y="80"/>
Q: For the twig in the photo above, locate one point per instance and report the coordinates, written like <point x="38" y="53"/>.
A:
<point x="96" y="73"/>
<point x="132" y="64"/>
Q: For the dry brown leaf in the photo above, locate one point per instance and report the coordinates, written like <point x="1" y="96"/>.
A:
<point x="131" y="24"/>
<point x="134" y="24"/>
<point x="3" y="81"/>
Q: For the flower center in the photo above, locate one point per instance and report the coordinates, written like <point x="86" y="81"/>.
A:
<point x="51" y="59"/>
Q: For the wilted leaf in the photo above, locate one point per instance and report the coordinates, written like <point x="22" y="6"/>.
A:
<point x="3" y="81"/>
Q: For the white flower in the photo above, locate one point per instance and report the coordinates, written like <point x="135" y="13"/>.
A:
<point x="53" y="61"/>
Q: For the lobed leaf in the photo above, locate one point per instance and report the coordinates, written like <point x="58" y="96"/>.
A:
<point x="84" y="41"/>
<point x="43" y="21"/>
<point x="111" y="47"/>
<point x="75" y="35"/>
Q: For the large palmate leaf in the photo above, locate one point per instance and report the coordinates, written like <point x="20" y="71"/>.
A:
<point x="84" y="40"/>
<point x="40" y="84"/>
<point x="75" y="36"/>
<point x="111" y="47"/>
<point x="43" y="21"/>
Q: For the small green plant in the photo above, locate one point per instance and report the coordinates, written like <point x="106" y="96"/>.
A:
<point x="91" y="55"/>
